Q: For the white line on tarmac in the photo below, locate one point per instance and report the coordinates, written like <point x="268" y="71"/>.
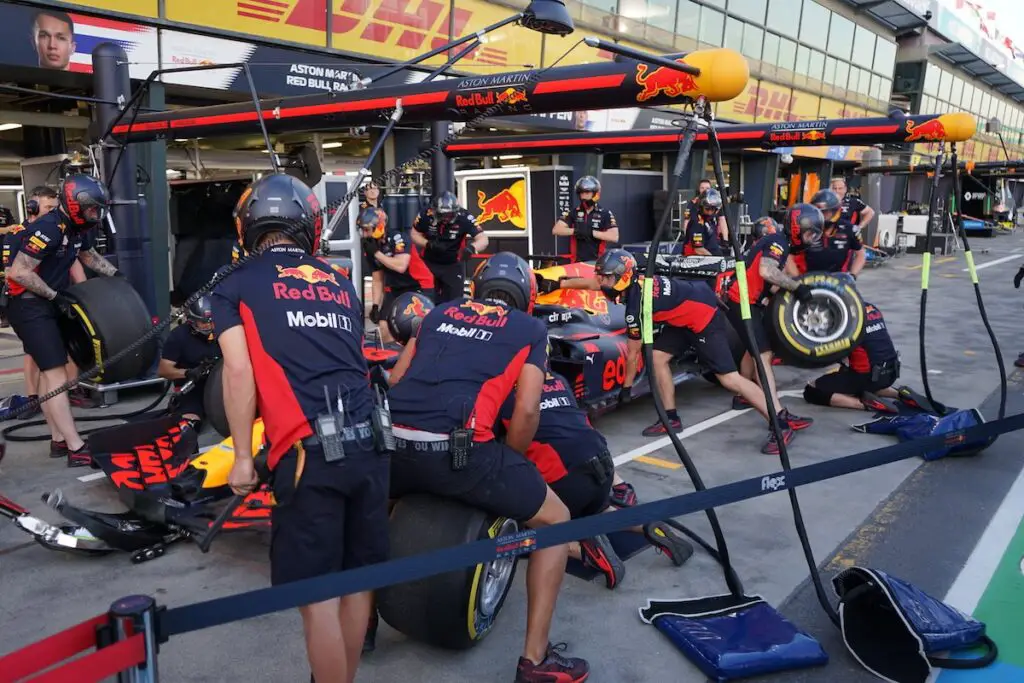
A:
<point x="993" y="263"/>
<point x="92" y="477"/>
<point x="690" y="431"/>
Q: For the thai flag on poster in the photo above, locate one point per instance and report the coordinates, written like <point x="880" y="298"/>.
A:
<point x="138" y="42"/>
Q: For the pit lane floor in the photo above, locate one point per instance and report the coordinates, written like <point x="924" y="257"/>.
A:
<point x="919" y="521"/>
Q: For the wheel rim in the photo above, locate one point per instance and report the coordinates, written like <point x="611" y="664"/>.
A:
<point x="497" y="574"/>
<point x="824" y="319"/>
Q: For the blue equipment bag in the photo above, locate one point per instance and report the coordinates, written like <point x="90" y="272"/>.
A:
<point x="921" y="425"/>
<point x="896" y="630"/>
<point x="730" y="637"/>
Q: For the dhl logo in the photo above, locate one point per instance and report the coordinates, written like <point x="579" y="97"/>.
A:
<point x="507" y="206"/>
<point x="764" y="105"/>
<point x="415" y="308"/>
<point x="663" y="80"/>
<point x="813" y="135"/>
<point x="485" y="309"/>
<point x="417" y="26"/>
<point x="929" y="130"/>
<point x="306" y="273"/>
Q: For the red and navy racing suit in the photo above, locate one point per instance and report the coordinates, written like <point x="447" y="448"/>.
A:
<point x="303" y="325"/>
<point x="416" y="278"/>
<point x="702" y="231"/>
<point x="836" y="252"/>
<point x="688" y="309"/>
<point x="775" y="248"/>
<point x="187" y="349"/>
<point x="853" y="208"/>
<point x="570" y="454"/>
<point x="56" y="245"/>
<point x="468" y="355"/>
<point x="873" y="365"/>
<point x="583" y="246"/>
<point x="445" y="244"/>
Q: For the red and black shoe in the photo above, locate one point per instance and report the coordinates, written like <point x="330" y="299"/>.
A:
<point x="80" y="458"/>
<point x="58" y="449"/>
<point x="79" y="398"/>
<point x="658" y="429"/>
<point x="554" y="669"/>
<point x="667" y="543"/>
<point x="740" y="403"/>
<point x="623" y="495"/>
<point x="796" y="423"/>
<point x="771" y="447"/>
<point x="598" y="554"/>
<point x="879" y="404"/>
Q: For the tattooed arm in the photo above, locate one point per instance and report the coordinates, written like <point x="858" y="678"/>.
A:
<point x="770" y="272"/>
<point x="91" y="259"/>
<point x="23" y="271"/>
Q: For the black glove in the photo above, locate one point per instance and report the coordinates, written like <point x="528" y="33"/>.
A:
<point x="118" y="273"/>
<point x="468" y="252"/>
<point x="375" y="314"/>
<point x="625" y="395"/>
<point x="197" y="373"/>
<point x="547" y="286"/>
<point x="370" y="248"/>
<point x="584" y="231"/>
<point x="63" y="305"/>
<point x="1018" y="277"/>
<point x="803" y="293"/>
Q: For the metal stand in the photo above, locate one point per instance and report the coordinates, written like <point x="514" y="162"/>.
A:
<point x="136" y="614"/>
<point x="106" y="395"/>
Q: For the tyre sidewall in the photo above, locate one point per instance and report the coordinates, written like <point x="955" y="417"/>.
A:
<point x="799" y="350"/>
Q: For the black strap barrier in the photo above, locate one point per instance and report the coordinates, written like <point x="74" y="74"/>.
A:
<point x="292" y="595"/>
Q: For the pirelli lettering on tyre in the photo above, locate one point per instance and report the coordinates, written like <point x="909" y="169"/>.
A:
<point x="832" y="347"/>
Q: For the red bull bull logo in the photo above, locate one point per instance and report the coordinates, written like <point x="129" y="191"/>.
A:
<point x="503" y="206"/>
<point x="306" y="273"/>
<point x="932" y="131"/>
<point x="416" y="308"/>
<point x="663" y="80"/>
<point x="511" y="96"/>
<point x="485" y="309"/>
<point x="814" y="135"/>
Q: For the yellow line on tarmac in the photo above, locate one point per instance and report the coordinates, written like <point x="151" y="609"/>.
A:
<point x="947" y="259"/>
<point x="657" y="462"/>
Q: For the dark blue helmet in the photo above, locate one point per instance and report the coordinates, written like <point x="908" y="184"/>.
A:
<point x="279" y="203"/>
<point x="84" y="200"/>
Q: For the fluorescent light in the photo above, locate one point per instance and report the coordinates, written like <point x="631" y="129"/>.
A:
<point x="511" y="156"/>
<point x="9" y="126"/>
<point x="333" y="145"/>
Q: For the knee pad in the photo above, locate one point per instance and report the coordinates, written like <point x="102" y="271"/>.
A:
<point x="813" y="394"/>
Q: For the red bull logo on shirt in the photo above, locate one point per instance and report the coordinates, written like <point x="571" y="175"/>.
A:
<point x="306" y="273"/>
<point x="479" y="314"/>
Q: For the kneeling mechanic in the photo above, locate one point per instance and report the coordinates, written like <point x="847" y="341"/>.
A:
<point x="867" y="374"/>
<point x="188" y="355"/>
<point x="291" y="333"/>
<point x="446" y="392"/>
<point x="574" y="460"/>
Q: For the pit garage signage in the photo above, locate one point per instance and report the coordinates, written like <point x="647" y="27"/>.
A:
<point x="501" y="203"/>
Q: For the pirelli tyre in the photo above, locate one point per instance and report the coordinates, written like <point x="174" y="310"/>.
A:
<point x="458" y="609"/>
<point x="822" y="332"/>
<point x="109" y="316"/>
<point x="213" y="401"/>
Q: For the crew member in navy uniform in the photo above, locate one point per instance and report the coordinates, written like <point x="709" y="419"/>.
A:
<point x="704" y="226"/>
<point x="449" y="238"/>
<point x="39" y="273"/>
<point x="855" y="211"/>
<point x="291" y="333"/>
<point x="766" y="267"/>
<point x="396" y="266"/>
<point x="188" y="355"/>
<point x="866" y="375"/>
<point x="574" y="460"/>
<point x="447" y="389"/>
<point x="841" y="250"/>
<point x="371" y="196"/>
<point x="590" y="227"/>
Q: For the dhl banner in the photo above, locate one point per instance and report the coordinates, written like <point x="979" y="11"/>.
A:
<point x="500" y="204"/>
<point x="140" y="8"/>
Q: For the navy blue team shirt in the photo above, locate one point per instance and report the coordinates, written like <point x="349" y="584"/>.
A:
<point x="679" y="303"/>
<point x="467" y="359"/>
<point x="55" y="244"/>
<point x="188" y="350"/>
<point x="304" y="328"/>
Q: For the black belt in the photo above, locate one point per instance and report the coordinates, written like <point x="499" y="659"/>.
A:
<point x="357" y="433"/>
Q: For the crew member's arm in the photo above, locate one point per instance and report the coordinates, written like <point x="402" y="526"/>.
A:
<point x="609" y="231"/>
<point x="419" y="230"/>
<point x="562" y="227"/>
<point x="377" y="287"/>
<point x="478" y="238"/>
<point x="634" y="338"/>
<point x="47" y="238"/>
<point x="403" y="362"/>
<point x="396" y="262"/>
<point x="773" y="255"/>
<point x="723" y="230"/>
<point x="866" y="214"/>
<point x="171" y="354"/>
<point x="529" y="387"/>
<point x="92" y="260"/>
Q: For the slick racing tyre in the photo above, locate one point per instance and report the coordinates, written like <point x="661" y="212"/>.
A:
<point x="213" y="401"/>
<point x="822" y="332"/>
<point x="109" y="317"/>
<point x="458" y="609"/>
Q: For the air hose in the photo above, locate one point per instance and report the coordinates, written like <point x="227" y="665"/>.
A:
<point x="926" y="267"/>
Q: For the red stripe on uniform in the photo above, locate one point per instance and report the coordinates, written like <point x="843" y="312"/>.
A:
<point x="693" y="315"/>
<point x="419" y="271"/>
<point x="492" y="395"/>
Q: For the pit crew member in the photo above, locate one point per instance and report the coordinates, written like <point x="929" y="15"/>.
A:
<point x="840" y="250"/>
<point x="693" y="206"/>
<point x="574" y="460"/>
<point x="38" y="274"/>
<point x="590" y="227"/>
<point x="290" y="331"/>
<point x="855" y="211"/>
<point x="704" y="226"/>
<point x="765" y="265"/>
<point x="448" y="237"/>
<point x="371" y="196"/>
<point x="448" y="387"/>
<point x="397" y="267"/>
<point x="691" y="316"/>
<point x="189" y="353"/>
<point x="865" y="376"/>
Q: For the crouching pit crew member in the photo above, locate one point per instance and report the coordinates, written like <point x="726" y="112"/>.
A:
<point x="765" y="267"/>
<point x="574" y="460"/>
<point x="449" y="237"/>
<point x="188" y="355"/>
<point x="866" y="376"/>
<point x="840" y="249"/>
<point x="291" y="333"/>
<point x="397" y="267"/>
<point x="41" y="270"/>
<point x="591" y="228"/>
<point x="448" y="387"/>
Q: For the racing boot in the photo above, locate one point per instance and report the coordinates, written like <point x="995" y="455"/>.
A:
<point x="795" y="423"/>
<point x="554" y="668"/>
<point x="879" y="404"/>
<point x="58" y="449"/>
<point x="771" y="447"/>
<point x="598" y="554"/>
<point x="81" y="457"/>
<point x="658" y="429"/>
<point x="666" y="542"/>
<point x="740" y="403"/>
<point x="623" y="495"/>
